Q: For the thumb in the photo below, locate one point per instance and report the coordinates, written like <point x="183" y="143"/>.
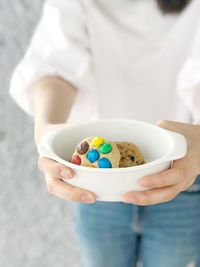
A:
<point x="174" y="126"/>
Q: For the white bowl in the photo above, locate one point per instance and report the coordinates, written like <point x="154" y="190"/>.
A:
<point x="159" y="147"/>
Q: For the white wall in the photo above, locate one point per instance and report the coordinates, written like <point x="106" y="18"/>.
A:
<point x="36" y="229"/>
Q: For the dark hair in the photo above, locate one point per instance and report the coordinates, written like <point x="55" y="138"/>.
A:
<point x="172" y="6"/>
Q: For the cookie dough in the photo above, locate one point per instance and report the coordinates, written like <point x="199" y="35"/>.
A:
<point x="130" y="154"/>
<point x="96" y="152"/>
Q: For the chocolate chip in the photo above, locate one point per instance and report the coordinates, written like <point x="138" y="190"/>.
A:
<point x="83" y="148"/>
<point x="131" y="157"/>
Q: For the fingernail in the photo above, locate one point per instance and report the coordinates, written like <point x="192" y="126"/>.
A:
<point x="87" y="198"/>
<point x="66" y="174"/>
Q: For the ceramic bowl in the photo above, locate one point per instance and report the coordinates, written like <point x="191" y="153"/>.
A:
<point x="159" y="147"/>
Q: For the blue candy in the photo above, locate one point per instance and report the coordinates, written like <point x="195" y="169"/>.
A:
<point x="104" y="163"/>
<point x="92" y="155"/>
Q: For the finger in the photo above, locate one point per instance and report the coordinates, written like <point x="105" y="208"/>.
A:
<point x="169" y="177"/>
<point x="174" y="126"/>
<point x="65" y="191"/>
<point x="187" y="183"/>
<point x="151" y="197"/>
<point x="54" y="168"/>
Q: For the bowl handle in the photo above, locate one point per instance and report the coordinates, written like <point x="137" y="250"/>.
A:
<point x="180" y="146"/>
<point x="44" y="147"/>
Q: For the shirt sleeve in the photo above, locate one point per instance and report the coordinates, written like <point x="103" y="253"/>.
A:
<point x="188" y="83"/>
<point x="59" y="47"/>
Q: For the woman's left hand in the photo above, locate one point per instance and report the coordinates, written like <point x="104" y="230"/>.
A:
<point x="166" y="185"/>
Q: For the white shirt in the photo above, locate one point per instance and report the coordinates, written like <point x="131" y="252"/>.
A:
<point x="126" y="57"/>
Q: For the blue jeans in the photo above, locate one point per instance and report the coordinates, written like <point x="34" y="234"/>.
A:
<point x="117" y="234"/>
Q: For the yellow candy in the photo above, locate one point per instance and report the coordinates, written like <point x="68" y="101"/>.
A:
<point x="97" y="141"/>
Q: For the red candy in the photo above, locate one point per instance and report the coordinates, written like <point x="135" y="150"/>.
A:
<point x="76" y="160"/>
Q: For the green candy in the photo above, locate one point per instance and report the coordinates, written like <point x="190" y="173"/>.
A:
<point x="105" y="148"/>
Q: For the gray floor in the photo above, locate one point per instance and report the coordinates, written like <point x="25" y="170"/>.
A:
<point x="36" y="229"/>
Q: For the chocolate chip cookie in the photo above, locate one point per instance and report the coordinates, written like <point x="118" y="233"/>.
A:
<point x="130" y="154"/>
<point x="96" y="152"/>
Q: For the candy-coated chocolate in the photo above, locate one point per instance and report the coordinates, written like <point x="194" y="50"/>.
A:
<point x="76" y="160"/>
<point x="104" y="163"/>
<point x="105" y="148"/>
<point x="83" y="148"/>
<point x="92" y="155"/>
<point x="97" y="141"/>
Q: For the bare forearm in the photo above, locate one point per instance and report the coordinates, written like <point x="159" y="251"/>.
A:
<point x="53" y="101"/>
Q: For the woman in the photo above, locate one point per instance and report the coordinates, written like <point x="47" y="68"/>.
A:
<point x="135" y="59"/>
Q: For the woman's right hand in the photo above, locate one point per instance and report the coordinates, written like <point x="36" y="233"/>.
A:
<point x="54" y="172"/>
